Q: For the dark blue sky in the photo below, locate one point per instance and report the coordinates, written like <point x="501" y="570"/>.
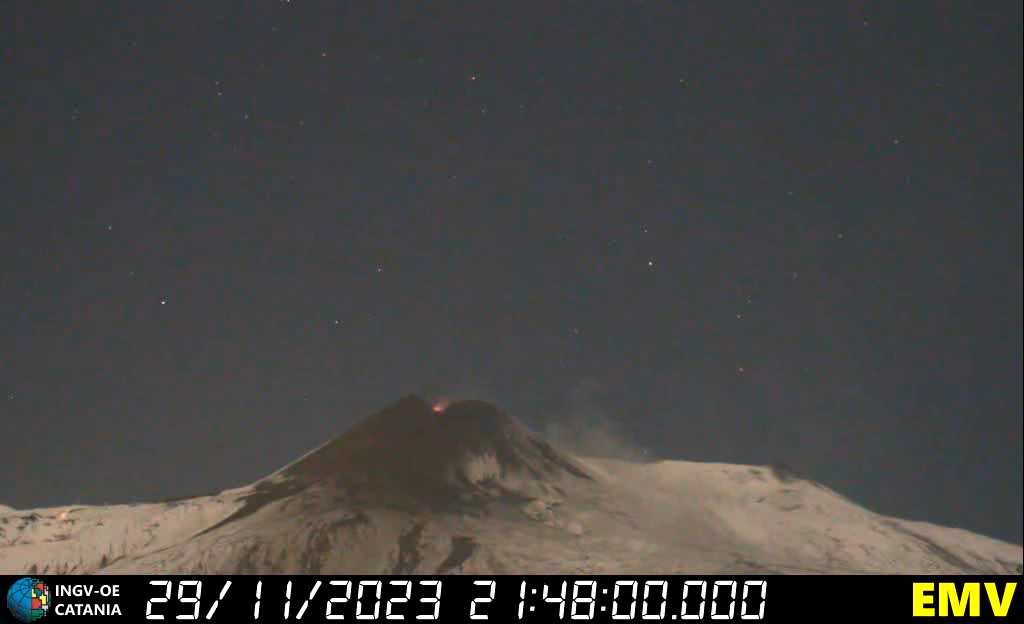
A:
<point x="734" y="233"/>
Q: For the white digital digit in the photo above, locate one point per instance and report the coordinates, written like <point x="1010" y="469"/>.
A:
<point x="377" y="585"/>
<point x="149" y="603"/>
<point x="703" y="598"/>
<point x="560" y="599"/>
<point x="408" y="596"/>
<point x="223" y="592"/>
<point x="634" y="586"/>
<point x="183" y="599"/>
<point x="473" y="615"/>
<point x="715" y="615"/>
<point x="746" y="592"/>
<point x="664" y="600"/>
<point x="259" y="593"/>
<point x="336" y="600"/>
<point x="434" y="600"/>
<point x="577" y="600"/>
<point x="522" y="599"/>
<point x="305" y="603"/>
<point x="287" y="599"/>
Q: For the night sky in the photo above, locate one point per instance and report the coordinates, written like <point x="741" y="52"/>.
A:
<point x="723" y="231"/>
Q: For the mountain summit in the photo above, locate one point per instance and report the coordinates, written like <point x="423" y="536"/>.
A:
<point x="413" y="454"/>
<point x="464" y="487"/>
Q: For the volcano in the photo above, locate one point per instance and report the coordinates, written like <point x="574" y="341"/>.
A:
<point x="413" y="456"/>
<point x="466" y="488"/>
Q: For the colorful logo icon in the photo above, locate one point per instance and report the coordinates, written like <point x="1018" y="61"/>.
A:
<point x="28" y="599"/>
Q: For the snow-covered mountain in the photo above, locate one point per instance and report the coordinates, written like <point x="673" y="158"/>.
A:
<point x="469" y="489"/>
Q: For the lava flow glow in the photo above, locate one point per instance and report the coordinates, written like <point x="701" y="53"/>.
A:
<point x="441" y="405"/>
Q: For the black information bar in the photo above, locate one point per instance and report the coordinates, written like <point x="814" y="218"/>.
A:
<point x="509" y="598"/>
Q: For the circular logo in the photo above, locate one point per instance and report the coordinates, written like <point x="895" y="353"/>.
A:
<point x="28" y="599"/>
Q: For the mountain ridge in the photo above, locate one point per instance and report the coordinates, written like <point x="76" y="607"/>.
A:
<point x="465" y="488"/>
